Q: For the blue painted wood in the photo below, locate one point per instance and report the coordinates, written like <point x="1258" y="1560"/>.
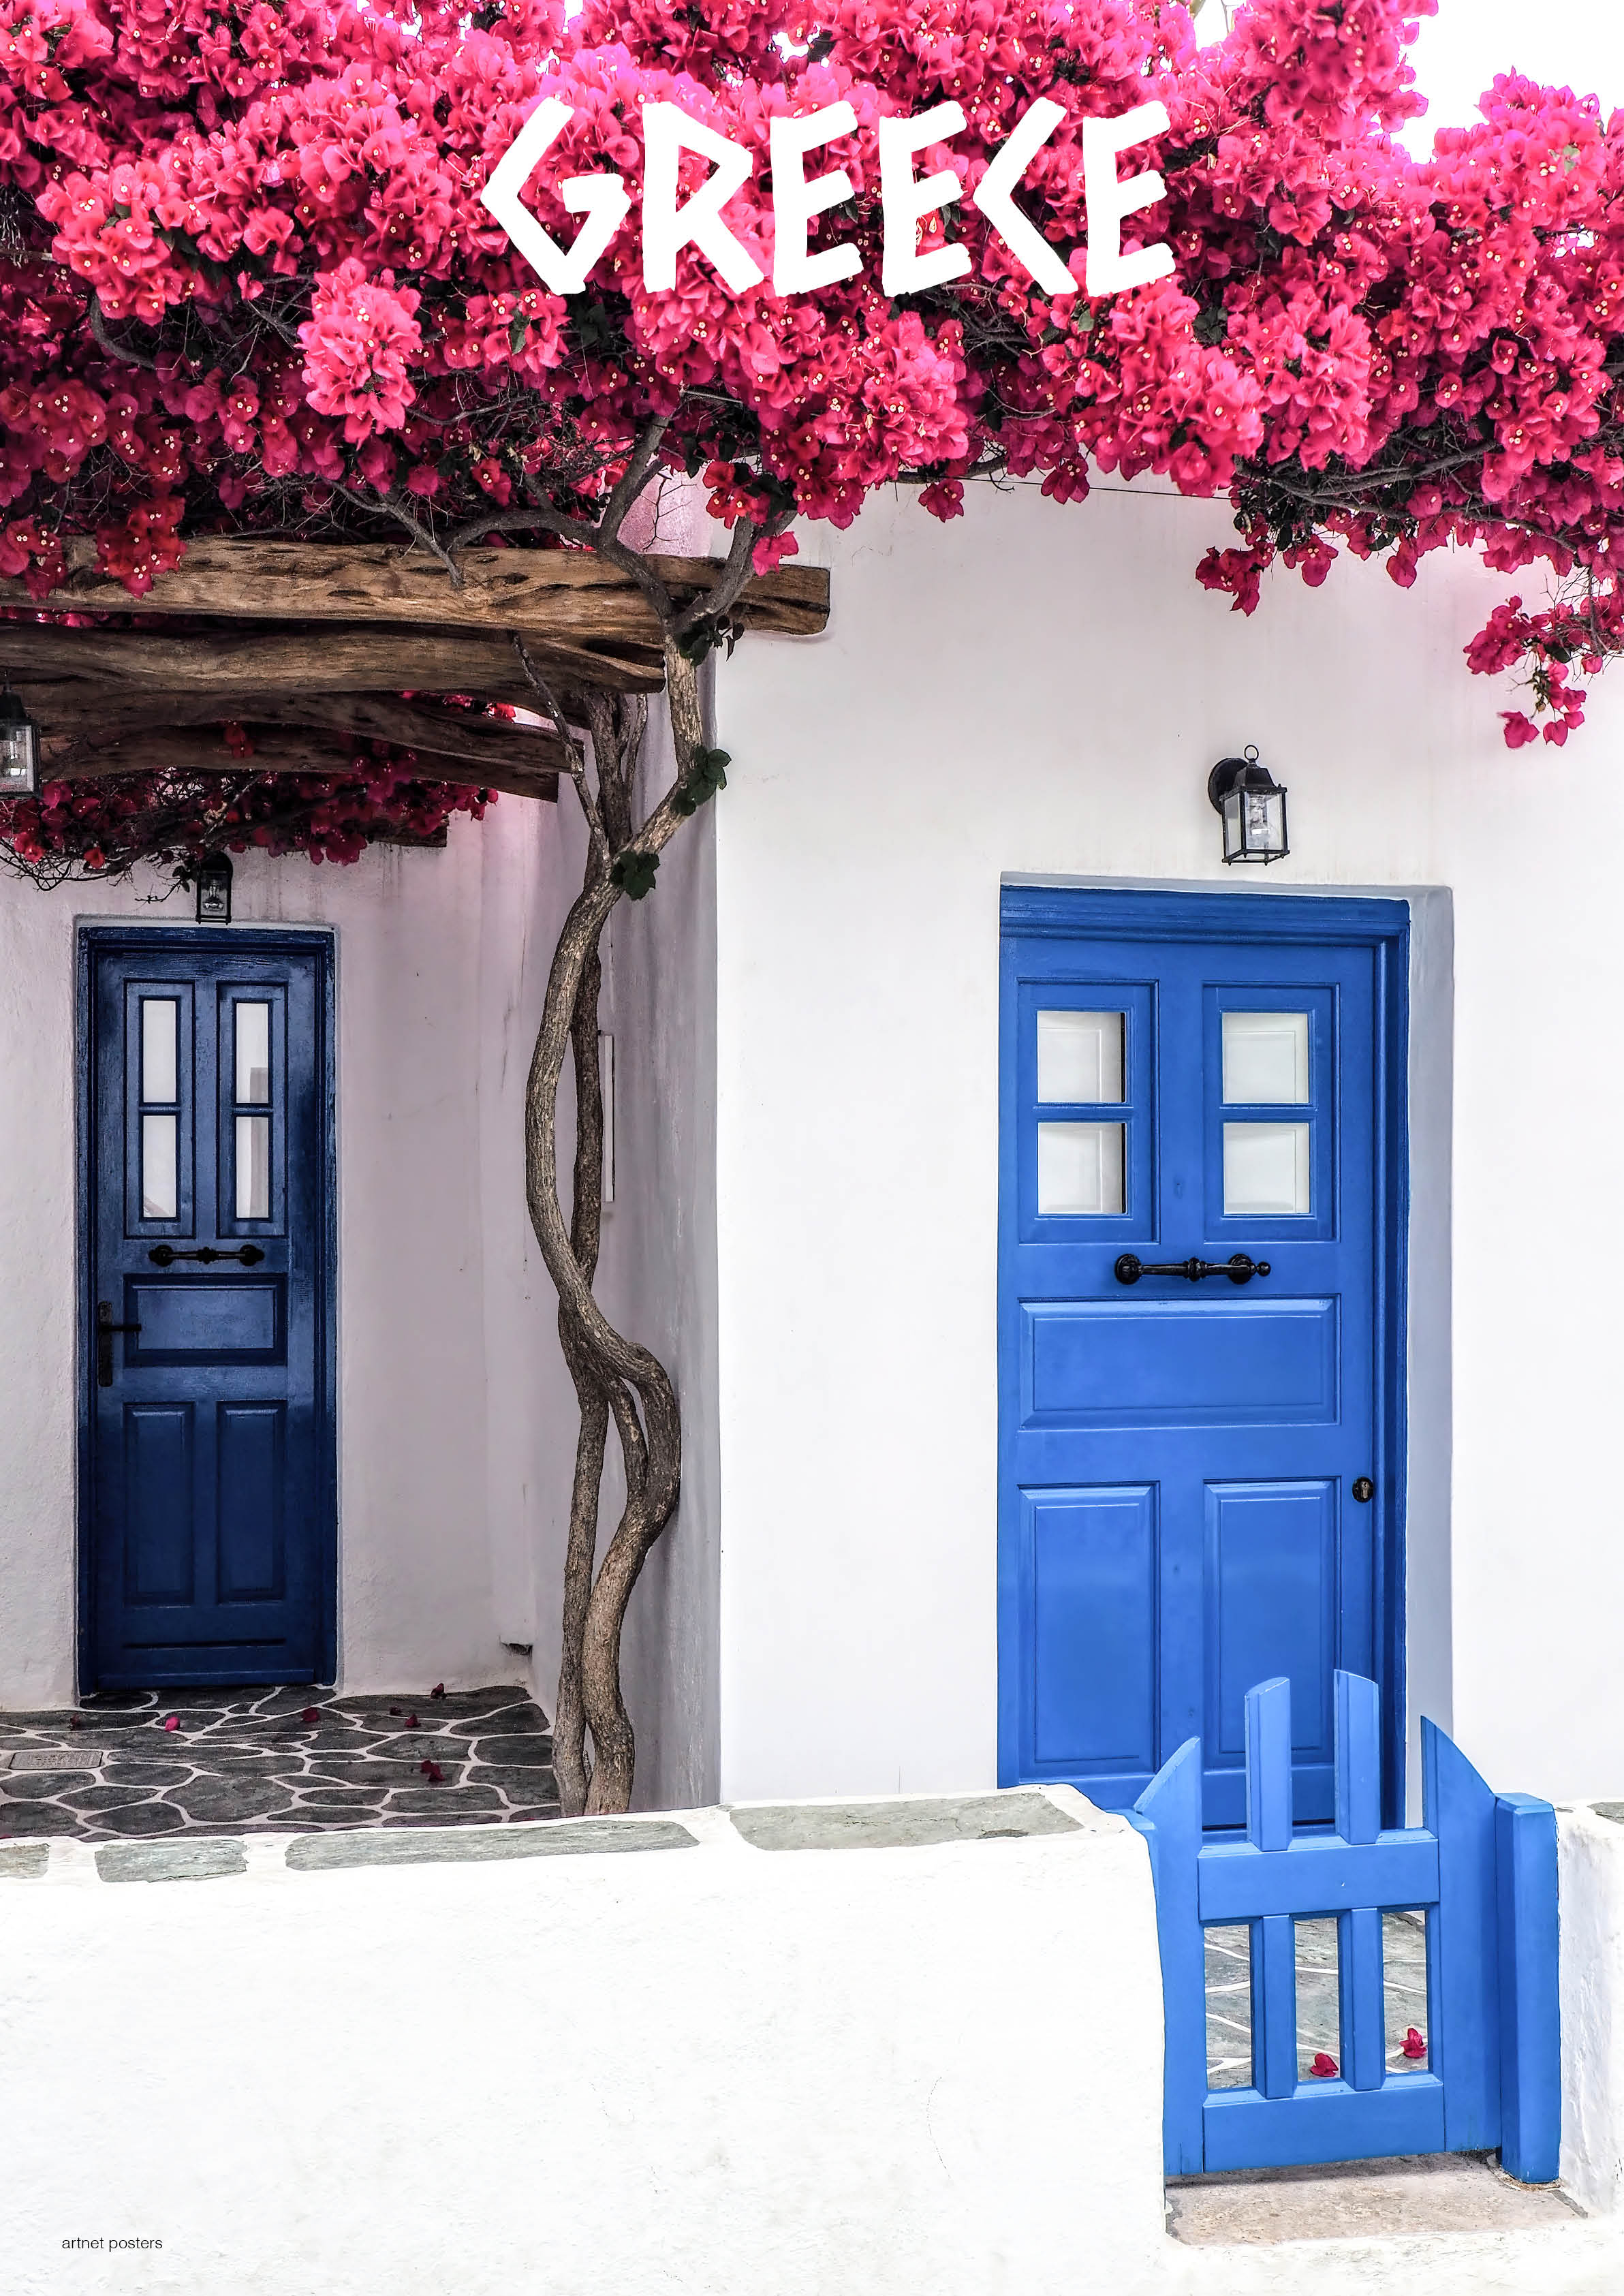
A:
<point x="1463" y="1945"/>
<point x="1358" y="1758"/>
<point x="1169" y="1814"/>
<point x="1174" y="1463"/>
<point x="1483" y="1869"/>
<point x="1268" y="1764"/>
<point x="1530" y="2007"/>
<point x="1323" y="2120"/>
<point x="1274" y="2005"/>
<point x="209" y="1489"/>
<point x="1315" y="1875"/>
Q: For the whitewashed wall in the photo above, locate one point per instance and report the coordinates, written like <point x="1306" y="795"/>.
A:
<point x="697" y="2070"/>
<point x="1038" y="691"/>
<point x="445" y="1315"/>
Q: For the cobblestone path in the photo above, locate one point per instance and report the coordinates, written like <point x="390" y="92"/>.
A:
<point x="248" y="1761"/>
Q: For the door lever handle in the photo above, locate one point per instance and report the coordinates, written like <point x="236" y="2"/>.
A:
<point x="105" y="1328"/>
<point x="164" y="1255"/>
<point x="1240" y="1268"/>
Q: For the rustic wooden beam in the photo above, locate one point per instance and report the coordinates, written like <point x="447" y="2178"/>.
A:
<point x="569" y="595"/>
<point x="493" y="743"/>
<point x="47" y="663"/>
<point x="279" y="750"/>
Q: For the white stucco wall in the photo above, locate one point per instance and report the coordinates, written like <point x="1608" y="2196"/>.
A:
<point x="1038" y="691"/>
<point x="695" y="2070"/>
<point x="443" y="1309"/>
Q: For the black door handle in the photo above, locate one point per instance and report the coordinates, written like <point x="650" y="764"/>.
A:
<point x="105" y="1328"/>
<point x="1240" y="1268"/>
<point x="164" y="1255"/>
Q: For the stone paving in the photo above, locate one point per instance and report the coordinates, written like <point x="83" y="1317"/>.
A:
<point x="273" y="1761"/>
<point x="1404" y="1974"/>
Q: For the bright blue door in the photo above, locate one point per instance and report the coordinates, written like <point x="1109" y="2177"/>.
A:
<point x="207" y="1347"/>
<point x="1200" y="1474"/>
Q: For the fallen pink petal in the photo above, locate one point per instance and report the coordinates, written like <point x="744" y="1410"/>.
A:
<point x="1323" y="2068"/>
<point x="432" y="1772"/>
<point x="1415" y="2044"/>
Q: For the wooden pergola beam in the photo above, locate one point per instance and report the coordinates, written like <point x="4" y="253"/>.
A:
<point x="494" y="744"/>
<point x="54" y="664"/>
<point x="571" y="596"/>
<point x="281" y="749"/>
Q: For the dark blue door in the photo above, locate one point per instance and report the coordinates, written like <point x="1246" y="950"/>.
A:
<point x="210" y="1474"/>
<point x="1200" y="1476"/>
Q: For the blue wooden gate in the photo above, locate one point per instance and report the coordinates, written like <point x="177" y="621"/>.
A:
<point x="1482" y="1869"/>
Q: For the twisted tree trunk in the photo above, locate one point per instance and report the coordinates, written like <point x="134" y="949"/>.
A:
<point x="615" y="1378"/>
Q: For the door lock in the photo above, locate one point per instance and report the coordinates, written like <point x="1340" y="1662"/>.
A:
<point x="1240" y="1268"/>
<point x="105" y="1328"/>
<point x="1364" y="1489"/>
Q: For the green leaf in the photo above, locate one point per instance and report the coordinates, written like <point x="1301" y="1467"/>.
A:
<point x="634" y="872"/>
<point x="517" y="333"/>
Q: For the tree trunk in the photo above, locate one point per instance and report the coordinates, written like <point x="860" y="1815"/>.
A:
<point x="614" y="1377"/>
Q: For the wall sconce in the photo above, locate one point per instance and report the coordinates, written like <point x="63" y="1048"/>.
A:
<point x="214" y="890"/>
<point x="18" y="746"/>
<point x="1252" y="804"/>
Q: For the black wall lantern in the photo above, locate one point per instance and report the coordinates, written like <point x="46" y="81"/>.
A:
<point x="1252" y="804"/>
<point x="214" y="890"/>
<point x="18" y="748"/>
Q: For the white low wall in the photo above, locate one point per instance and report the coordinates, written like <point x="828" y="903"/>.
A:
<point x="873" y="2049"/>
<point x="713" y="2069"/>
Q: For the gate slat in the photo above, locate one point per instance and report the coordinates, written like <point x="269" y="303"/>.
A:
<point x="1315" y="1875"/>
<point x="1462" y="1990"/>
<point x="1327" y="2121"/>
<point x="1362" y="2000"/>
<point x="1274" y="2005"/>
<point x="1169" y="1814"/>
<point x="1268" y="1764"/>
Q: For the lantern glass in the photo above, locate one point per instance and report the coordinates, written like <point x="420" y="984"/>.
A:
<point x="18" y="756"/>
<point x="1252" y="807"/>
<point x="214" y="891"/>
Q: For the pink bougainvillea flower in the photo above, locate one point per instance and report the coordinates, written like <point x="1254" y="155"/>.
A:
<point x="1415" y="2044"/>
<point x="439" y="1690"/>
<point x="1323" y="2068"/>
<point x="433" y="1773"/>
<point x="412" y="1722"/>
<point x="171" y="1722"/>
<point x="311" y="1714"/>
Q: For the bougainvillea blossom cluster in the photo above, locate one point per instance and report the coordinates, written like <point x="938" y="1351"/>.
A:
<point x="247" y="283"/>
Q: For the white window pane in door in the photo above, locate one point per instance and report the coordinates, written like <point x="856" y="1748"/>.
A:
<point x="253" y="1167"/>
<point x="1079" y="1056"/>
<point x="1080" y="1169"/>
<point x="253" y="1054"/>
<point x="160" y="1167"/>
<point x="1266" y="1170"/>
<point x="1265" y="1057"/>
<point x="159" y="1048"/>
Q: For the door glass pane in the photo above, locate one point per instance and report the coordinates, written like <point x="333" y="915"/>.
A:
<point x="1079" y="1056"/>
<point x="1079" y="1168"/>
<point x="1266" y="1170"/>
<point x="1265" y="1057"/>
<point x="253" y="1167"/>
<point x="160" y="1188"/>
<point x="253" y="1054"/>
<point x="160" y="1042"/>
<point x="1404" y="1986"/>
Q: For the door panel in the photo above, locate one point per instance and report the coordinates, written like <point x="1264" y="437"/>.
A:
<point x="1178" y="1457"/>
<point x="209" y="1532"/>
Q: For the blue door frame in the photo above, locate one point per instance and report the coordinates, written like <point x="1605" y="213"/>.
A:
<point x="1284" y="931"/>
<point x="115" y="964"/>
